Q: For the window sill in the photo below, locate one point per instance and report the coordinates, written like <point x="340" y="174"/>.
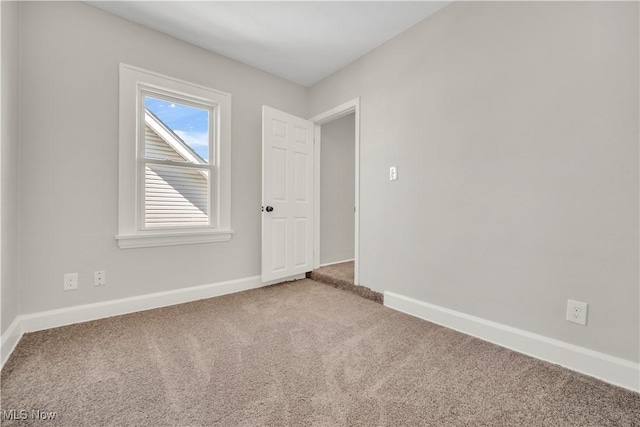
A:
<point x="150" y="240"/>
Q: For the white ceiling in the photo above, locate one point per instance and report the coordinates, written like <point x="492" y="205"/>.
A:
<point x="302" y="41"/>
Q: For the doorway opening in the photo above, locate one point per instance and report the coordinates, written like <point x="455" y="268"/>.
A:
<point x="336" y="182"/>
<point x="337" y="197"/>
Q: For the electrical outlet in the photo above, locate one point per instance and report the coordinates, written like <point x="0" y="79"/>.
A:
<point x="577" y="312"/>
<point x="99" y="278"/>
<point x="70" y="281"/>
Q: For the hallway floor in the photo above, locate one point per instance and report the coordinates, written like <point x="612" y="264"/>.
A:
<point x="341" y="276"/>
<point x="342" y="271"/>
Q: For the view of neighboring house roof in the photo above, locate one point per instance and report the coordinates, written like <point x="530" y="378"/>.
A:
<point x="169" y="136"/>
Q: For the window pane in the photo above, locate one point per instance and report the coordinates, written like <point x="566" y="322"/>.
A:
<point x="175" y="131"/>
<point x="176" y="196"/>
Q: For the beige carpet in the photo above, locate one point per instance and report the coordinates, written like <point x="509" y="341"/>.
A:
<point x="341" y="276"/>
<point x="341" y="271"/>
<point x="301" y="353"/>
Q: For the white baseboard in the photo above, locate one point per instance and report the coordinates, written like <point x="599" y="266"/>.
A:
<point x="336" y="262"/>
<point x="10" y="340"/>
<point x="614" y="370"/>
<point x="51" y="319"/>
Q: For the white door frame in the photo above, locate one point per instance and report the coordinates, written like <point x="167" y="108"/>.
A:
<point x="340" y="111"/>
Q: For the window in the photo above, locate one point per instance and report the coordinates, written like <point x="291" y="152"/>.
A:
<point x="174" y="161"/>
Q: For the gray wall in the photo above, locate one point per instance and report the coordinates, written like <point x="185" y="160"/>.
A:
<point x="10" y="157"/>
<point x="337" y="190"/>
<point x="69" y="150"/>
<point x="514" y="127"/>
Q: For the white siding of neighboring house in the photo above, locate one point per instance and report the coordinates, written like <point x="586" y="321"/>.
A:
<point x="156" y="148"/>
<point x="173" y="196"/>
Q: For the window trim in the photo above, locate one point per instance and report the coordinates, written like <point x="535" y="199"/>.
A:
<point x="134" y="82"/>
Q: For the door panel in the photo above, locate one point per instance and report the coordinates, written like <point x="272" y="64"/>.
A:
<point x="287" y="187"/>
<point x="301" y="172"/>
<point x="301" y="237"/>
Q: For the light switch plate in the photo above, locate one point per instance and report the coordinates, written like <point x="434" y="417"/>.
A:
<point x="393" y="173"/>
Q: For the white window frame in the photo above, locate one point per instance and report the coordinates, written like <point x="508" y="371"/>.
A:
<point x="135" y="83"/>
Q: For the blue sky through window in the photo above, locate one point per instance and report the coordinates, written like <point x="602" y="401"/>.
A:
<point x="189" y="123"/>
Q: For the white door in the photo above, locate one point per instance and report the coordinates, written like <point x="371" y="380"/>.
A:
<point x="287" y="195"/>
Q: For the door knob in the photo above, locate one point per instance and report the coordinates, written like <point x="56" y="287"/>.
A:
<point x="269" y="208"/>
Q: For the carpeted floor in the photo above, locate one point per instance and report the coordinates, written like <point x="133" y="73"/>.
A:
<point x="341" y="271"/>
<point x="341" y="276"/>
<point x="299" y="353"/>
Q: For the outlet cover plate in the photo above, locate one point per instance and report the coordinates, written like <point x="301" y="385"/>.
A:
<point x="577" y="312"/>
<point x="99" y="278"/>
<point x="70" y="281"/>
